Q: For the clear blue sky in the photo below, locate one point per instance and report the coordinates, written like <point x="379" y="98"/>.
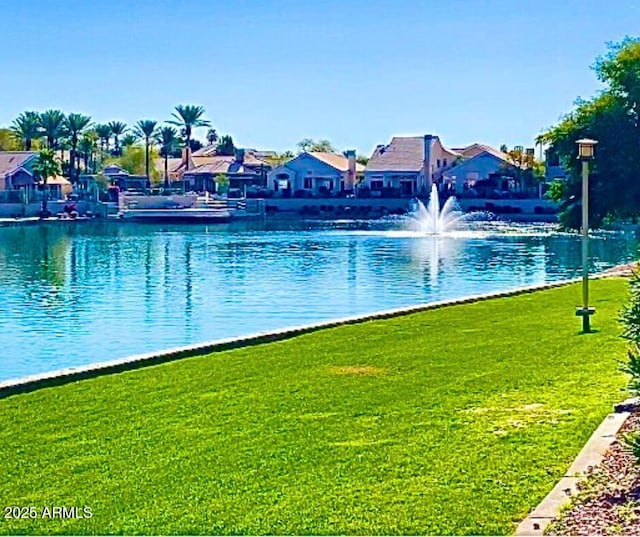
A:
<point x="271" y="72"/>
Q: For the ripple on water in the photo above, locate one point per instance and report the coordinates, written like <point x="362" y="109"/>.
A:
<point x="78" y="294"/>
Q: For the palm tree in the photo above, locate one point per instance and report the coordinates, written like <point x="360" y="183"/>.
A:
<point x="104" y="135"/>
<point x="167" y="138"/>
<point x="118" y="128"/>
<point x="26" y="128"/>
<point x="46" y="165"/>
<point x="127" y="141"/>
<point x="87" y="148"/>
<point x="52" y="123"/>
<point x="145" y="129"/>
<point x="188" y="117"/>
<point x="212" y="136"/>
<point x="75" y="125"/>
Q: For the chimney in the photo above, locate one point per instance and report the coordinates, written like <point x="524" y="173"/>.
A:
<point x="240" y="156"/>
<point x="426" y="163"/>
<point x="351" y="173"/>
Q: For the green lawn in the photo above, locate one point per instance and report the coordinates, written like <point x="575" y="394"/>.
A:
<point x="457" y="420"/>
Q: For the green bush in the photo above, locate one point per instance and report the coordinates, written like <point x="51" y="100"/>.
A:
<point x="630" y="318"/>
<point x="631" y="441"/>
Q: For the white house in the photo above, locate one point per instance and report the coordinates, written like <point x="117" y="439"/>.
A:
<point x="408" y="165"/>
<point x="316" y="173"/>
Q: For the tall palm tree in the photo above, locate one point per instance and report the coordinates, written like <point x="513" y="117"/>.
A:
<point x="167" y="138"/>
<point x="212" y="136"/>
<point x="188" y="117"/>
<point x="118" y="128"/>
<point x="75" y="125"/>
<point x="52" y="124"/>
<point x="145" y="129"/>
<point x="46" y="165"/>
<point x="26" y="128"/>
<point x="103" y="131"/>
<point x="87" y="147"/>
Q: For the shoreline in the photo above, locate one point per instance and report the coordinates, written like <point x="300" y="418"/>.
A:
<point x="30" y="383"/>
<point x="279" y="216"/>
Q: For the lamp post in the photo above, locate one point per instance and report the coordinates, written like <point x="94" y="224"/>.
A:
<point x="586" y="148"/>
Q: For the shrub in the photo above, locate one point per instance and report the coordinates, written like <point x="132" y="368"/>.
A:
<point x="630" y="318"/>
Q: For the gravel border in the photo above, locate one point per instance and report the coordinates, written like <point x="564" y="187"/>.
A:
<point x="591" y="455"/>
<point x="608" y="499"/>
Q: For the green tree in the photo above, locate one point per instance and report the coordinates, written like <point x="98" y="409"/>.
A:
<point x="304" y="145"/>
<point x="26" y="128"/>
<point x="611" y="118"/>
<point x="321" y="146"/>
<point x="362" y="159"/>
<point x="118" y="128"/>
<point x="133" y="159"/>
<point x="53" y="127"/>
<point x="45" y="166"/>
<point x="127" y="141"/>
<point x="522" y="166"/>
<point x="75" y="125"/>
<point x="280" y="158"/>
<point x="222" y="184"/>
<point x="8" y="141"/>
<point x="212" y="136"/>
<point x="188" y="117"/>
<point x="167" y="138"/>
<point x="145" y="130"/>
<point x="225" y="146"/>
<point x="103" y="130"/>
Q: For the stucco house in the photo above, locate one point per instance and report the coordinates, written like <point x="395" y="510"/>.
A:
<point x="408" y="165"/>
<point x="16" y="169"/>
<point x="317" y="174"/>
<point x="16" y="174"/>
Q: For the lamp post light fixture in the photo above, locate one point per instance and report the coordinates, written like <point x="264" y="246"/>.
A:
<point x="586" y="149"/>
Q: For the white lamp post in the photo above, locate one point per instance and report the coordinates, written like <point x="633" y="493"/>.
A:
<point x="586" y="149"/>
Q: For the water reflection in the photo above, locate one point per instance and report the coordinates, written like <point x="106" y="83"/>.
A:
<point x="74" y="294"/>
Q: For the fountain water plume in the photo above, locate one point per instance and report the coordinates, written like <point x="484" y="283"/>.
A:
<point x="432" y="220"/>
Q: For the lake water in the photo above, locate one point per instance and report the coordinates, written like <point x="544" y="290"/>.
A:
<point x="77" y="293"/>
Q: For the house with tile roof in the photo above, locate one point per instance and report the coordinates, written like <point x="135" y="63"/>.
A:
<point x="316" y="174"/>
<point x="409" y="165"/>
<point x="242" y="170"/>
<point x="246" y="168"/>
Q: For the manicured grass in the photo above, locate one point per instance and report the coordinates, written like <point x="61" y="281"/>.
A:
<point x="452" y="421"/>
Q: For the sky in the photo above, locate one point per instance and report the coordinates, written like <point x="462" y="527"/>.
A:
<point x="271" y="72"/>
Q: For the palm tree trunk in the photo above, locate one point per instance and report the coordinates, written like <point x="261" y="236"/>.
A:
<point x="27" y="144"/>
<point x="44" y="198"/>
<point x="72" y="163"/>
<point x="166" y="169"/>
<point x="146" y="162"/>
<point x="188" y="153"/>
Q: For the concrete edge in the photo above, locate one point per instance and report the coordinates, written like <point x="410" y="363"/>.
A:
<point x="72" y="374"/>
<point x="590" y="456"/>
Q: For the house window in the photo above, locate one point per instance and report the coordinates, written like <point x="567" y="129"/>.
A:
<point x="444" y="163"/>
<point x="376" y="185"/>
<point x="308" y="183"/>
<point x="438" y="163"/>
